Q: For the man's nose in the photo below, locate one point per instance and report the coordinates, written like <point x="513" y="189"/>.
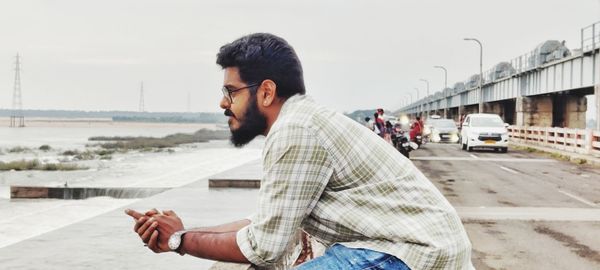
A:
<point x="224" y="104"/>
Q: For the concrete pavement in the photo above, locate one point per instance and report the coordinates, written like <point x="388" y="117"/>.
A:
<point x="520" y="211"/>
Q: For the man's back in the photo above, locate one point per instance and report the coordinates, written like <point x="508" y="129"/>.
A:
<point x="369" y="195"/>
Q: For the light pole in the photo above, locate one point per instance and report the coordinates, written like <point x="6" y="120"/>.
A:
<point x="419" y="110"/>
<point x="445" y="86"/>
<point x="445" y="75"/>
<point x="480" y="92"/>
<point x="427" y="105"/>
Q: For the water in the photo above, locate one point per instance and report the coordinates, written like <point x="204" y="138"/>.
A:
<point x="74" y="134"/>
<point x="26" y="218"/>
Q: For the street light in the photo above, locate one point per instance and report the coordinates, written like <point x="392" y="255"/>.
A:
<point x="445" y="86"/>
<point x="427" y="82"/>
<point x="418" y="110"/>
<point x="480" y="92"/>
<point x="427" y="105"/>
<point x="445" y="75"/>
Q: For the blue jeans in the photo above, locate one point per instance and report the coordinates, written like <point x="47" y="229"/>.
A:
<point x="344" y="258"/>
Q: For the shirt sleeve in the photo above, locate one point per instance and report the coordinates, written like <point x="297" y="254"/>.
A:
<point x="296" y="171"/>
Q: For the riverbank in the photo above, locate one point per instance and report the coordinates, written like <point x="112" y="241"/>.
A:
<point x="179" y="166"/>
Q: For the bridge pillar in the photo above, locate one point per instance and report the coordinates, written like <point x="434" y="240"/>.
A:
<point x="597" y="94"/>
<point x="575" y="112"/>
<point x="534" y="111"/>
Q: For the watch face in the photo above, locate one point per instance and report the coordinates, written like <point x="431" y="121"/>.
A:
<point x="174" y="241"/>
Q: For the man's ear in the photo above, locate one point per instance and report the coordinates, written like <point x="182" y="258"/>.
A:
<point x="268" y="93"/>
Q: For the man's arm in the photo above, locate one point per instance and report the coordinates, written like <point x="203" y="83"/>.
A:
<point x="223" y="228"/>
<point x="215" y="243"/>
<point x="213" y="246"/>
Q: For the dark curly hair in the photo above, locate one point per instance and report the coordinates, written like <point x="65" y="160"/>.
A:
<point x="264" y="56"/>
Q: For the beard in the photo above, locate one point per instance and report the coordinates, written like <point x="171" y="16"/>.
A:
<point x="252" y="124"/>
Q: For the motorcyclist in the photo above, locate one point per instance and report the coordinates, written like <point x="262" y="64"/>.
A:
<point x="416" y="129"/>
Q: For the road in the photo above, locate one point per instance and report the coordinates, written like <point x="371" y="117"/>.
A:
<point x="521" y="210"/>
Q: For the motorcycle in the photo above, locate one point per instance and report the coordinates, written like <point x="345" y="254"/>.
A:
<point x="419" y="140"/>
<point x="403" y="145"/>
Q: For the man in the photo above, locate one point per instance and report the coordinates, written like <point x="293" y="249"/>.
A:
<point x="369" y="124"/>
<point x="380" y="122"/>
<point x="323" y="173"/>
<point x="416" y="128"/>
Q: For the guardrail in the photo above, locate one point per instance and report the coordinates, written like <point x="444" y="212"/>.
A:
<point x="582" y="141"/>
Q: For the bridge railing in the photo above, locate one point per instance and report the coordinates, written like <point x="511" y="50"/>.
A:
<point x="590" y="37"/>
<point x="582" y="141"/>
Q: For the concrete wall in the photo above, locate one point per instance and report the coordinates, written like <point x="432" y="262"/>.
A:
<point x="534" y="111"/>
<point x="575" y="111"/>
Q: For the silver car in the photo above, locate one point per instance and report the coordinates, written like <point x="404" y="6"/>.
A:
<point x="443" y="130"/>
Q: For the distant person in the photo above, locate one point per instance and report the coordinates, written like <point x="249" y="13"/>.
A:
<point x="388" y="132"/>
<point x="416" y="128"/>
<point x="379" y="124"/>
<point x="323" y="173"/>
<point x="369" y="124"/>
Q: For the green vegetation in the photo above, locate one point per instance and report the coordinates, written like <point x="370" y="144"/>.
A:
<point x="89" y="154"/>
<point x="28" y="165"/>
<point x="45" y="147"/>
<point x="147" y="144"/>
<point x="18" y="149"/>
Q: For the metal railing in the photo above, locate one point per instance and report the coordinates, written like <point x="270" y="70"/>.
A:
<point x="581" y="141"/>
<point x="590" y="41"/>
<point x="590" y="37"/>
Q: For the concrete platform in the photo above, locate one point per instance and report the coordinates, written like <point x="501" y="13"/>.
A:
<point x="108" y="242"/>
<point x="247" y="176"/>
<point x="80" y="193"/>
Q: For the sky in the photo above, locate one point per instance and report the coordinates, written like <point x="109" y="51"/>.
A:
<point x="92" y="55"/>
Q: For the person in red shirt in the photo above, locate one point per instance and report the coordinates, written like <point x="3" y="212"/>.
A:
<point x="416" y="128"/>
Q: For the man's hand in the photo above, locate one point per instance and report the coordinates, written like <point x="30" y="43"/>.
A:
<point x="155" y="228"/>
<point x="168" y="223"/>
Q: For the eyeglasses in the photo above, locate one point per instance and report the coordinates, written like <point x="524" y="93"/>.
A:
<point x="227" y="92"/>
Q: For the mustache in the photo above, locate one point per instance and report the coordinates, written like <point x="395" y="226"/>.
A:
<point x="228" y="112"/>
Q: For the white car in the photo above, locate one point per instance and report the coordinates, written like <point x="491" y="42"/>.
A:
<point x="482" y="130"/>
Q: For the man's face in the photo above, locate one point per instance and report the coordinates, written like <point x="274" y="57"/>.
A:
<point x="245" y="120"/>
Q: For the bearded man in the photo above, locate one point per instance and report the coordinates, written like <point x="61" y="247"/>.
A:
<point x="323" y="173"/>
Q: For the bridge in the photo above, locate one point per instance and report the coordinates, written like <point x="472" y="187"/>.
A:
<point x="543" y="88"/>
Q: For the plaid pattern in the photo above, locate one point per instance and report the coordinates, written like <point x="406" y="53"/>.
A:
<point x="341" y="183"/>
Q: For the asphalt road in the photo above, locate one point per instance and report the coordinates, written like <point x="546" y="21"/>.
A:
<point x="521" y="210"/>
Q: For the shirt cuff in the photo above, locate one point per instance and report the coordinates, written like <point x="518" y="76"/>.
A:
<point x="251" y="217"/>
<point x="247" y="245"/>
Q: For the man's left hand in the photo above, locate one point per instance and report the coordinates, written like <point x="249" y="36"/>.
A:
<point x="155" y="229"/>
<point x="168" y="223"/>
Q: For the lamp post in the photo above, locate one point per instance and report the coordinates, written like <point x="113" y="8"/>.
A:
<point x="445" y="86"/>
<point x="445" y="75"/>
<point x="480" y="92"/>
<point x="418" y="110"/>
<point x="427" y="105"/>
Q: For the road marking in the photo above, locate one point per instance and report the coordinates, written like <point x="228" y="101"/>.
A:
<point x="473" y="156"/>
<point x="485" y="159"/>
<point x="578" y="198"/>
<point x="509" y="170"/>
<point x="473" y="214"/>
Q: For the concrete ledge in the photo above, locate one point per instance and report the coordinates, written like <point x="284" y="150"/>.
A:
<point x="78" y="193"/>
<point x="590" y="159"/>
<point x="233" y="183"/>
<point x="230" y="266"/>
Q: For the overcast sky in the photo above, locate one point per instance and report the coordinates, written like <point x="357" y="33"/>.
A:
<point x="92" y="55"/>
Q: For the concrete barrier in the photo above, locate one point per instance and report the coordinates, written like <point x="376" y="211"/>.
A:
<point x="78" y="193"/>
<point x="580" y="141"/>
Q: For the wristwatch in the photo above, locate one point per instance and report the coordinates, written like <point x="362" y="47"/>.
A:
<point x="175" y="241"/>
